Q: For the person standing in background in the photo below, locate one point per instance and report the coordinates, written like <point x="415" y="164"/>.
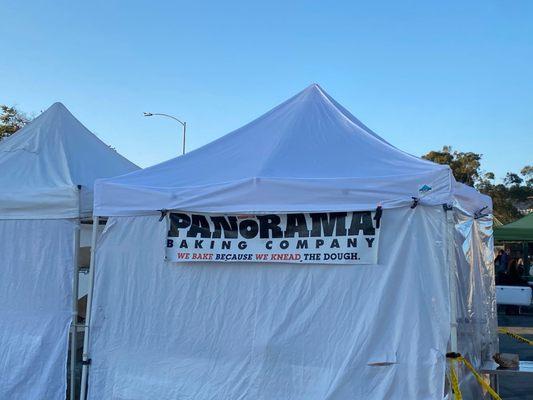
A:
<point x="504" y="261"/>
<point x="497" y="261"/>
<point x="520" y="267"/>
<point x="500" y="263"/>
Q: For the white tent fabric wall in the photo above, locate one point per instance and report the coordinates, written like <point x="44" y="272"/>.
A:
<point x="476" y="298"/>
<point x="35" y="307"/>
<point x="476" y="294"/>
<point x="475" y="259"/>
<point x="40" y="203"/>
<point x="263" y="331"/>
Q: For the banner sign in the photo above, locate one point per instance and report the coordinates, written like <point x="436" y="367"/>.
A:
<point x="311" y="238"/>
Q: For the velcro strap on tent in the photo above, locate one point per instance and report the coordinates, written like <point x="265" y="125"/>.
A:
<point x="479" y="214"/>
<point x="459" y="358"/>
<point x="447" y="207"/>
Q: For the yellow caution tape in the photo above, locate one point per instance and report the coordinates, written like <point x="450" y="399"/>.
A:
<point x="515" y="336"/>
<point x="455" y="382"/>
<point x="480" y="379"/>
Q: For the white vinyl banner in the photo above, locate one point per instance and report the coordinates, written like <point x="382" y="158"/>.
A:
<point x="311" y="238"/>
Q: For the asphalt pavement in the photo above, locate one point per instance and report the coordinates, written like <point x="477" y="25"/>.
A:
<point x="516" y="387"/>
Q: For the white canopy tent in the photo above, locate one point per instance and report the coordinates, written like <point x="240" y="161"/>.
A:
<point x="46" y="185"/>
<point x="278" y="331"/>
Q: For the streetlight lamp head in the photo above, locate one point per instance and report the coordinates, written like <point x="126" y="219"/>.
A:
<point x="182" y="123"/>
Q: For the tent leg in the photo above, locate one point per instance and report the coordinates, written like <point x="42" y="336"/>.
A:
<point x="494" y="382"/>
<point x="85" y="357"/>
<point x="74" y="325"/>
<point x="449" y="238"/>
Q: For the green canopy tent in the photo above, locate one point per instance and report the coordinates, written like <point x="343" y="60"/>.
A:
<point x="517" y="231"/>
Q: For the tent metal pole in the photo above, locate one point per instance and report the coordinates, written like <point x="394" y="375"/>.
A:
<point x="452" y="263"/>
<point x="74" y="325"/>
<point x="85" y="357"/>
<point x="75" y="292"/>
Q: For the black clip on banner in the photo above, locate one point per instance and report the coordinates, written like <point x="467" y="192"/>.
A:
<point x="377" y="217"/>
<point x="163" y="214"/>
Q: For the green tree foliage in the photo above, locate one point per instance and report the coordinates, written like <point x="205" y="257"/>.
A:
<point x="503" y="203"/>
<point x="512" y="179"/>
<point x="11" y="120"/>
<point x="466" y="168"/>
<point x="527" y="173"/>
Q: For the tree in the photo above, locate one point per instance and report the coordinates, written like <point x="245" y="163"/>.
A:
<point x="502" y="203"/>
<point x="11" y="120"/>
<point x="489" y="176"/>
<point x="512" y="179"/>
<point x="507" y="198"/>
<point x="527" y="173"/>
<point x="465" y="166"/>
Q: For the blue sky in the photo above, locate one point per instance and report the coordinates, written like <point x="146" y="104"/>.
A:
<point x="422" y="74"/>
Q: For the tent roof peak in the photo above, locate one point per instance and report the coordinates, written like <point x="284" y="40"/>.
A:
<point x="44" y="161"/>
<point x="307" y="153"/>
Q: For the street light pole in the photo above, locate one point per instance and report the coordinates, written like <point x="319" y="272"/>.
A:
<point x="184" y="130"/>
<point x="182" y="123"/>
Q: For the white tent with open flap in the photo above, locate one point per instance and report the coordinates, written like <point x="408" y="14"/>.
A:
<point x="298" y="257"/>
<point x="473" y="283"/>
<point x="48" y="169"/>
